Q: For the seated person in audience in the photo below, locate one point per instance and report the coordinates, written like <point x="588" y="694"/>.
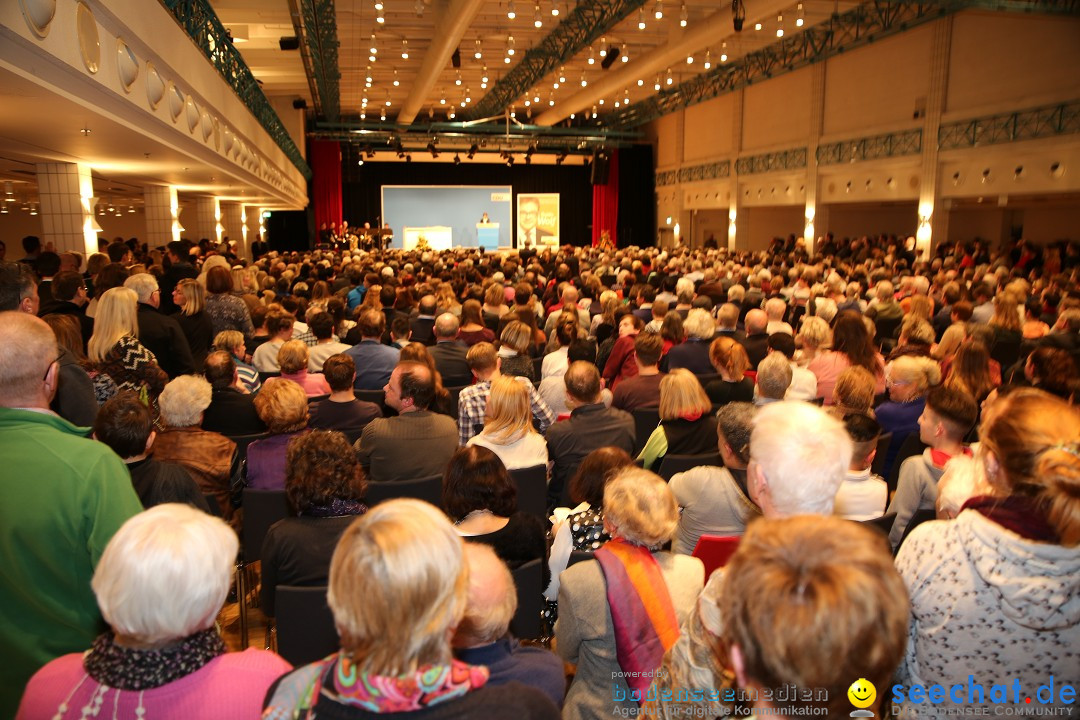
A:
<point x="687" y="425"/>
<point x="416" y="443"/>
<point x="803" y="382"/>
<point x="862" y="495"/>
<point x="395" y="633"/>
<point x="715" y="500"/>
<point x="231" y="410"/>
<point x="418" y="352"/>
<point x="962" y="480"/>
<point x="125" y="425"/>
<point x="160" y="585"/>
<point x="642" y="390"/>
<point x="283" y="406"/>
<point x="422" y="327"/>
<point x="293" y="360"/>
<point x="852" y="345"/>
<point x="955" y="333"/>
<point x="508" y="430"/>
<point x="482" y="638"/>
<point x="210" y="457"/>
<point x="693" y="354"/>
<point x="948" y="416"/>
<point x="756" y="342"/>
<point x="400" y="331"/>
<point x="909" y="379"/>
<point x="620" y="363"/>
<point x="773" y="379"/>
<point x="591" y="425"/>
<point x="514" y="346"/>
<point x="727" y="318"/>
<point x="631" y="591"/>
<point x="729" y="359"/>
<point x="486" y="364"/>
<point x="480" y="498"/>
<point x="325" y="485"/>
<point x="556" y="362"/>
<point x="853" y="393"/>
<point x="374" y="361"/>
<point x="829" y="589"/>
<point x="232" y="342"/>
<point x="449" y="354"/>
<point x="775" y="309"/>
<point x="994" y="592"/>
<point x="322" y="327"/>
<point x="342" y="411"/>
<point x="799" y="456"/>
<point x="553" y="389"/>
<point x="583" y="529"/>
<point x="114" y="348"/>
<point x="279" y="325"/>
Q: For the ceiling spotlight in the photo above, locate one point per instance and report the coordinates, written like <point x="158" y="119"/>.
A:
<point x="757" y="26"/>
<point x="684" y="15"/>
<point x="669" y="79"/>
<point x="510" y="45"/>
<point x="457" y="80"/>
<point x="555" y="8"/>
<point x="510" y="12"/>
<point x="592" y="56"/>
<point x="562" y="75"/>
<point x="708" y="59"/>
<point x="689" y="59"/>
<point x="404" y="49"/>
<point x="382" y="114"/>
<point x="379" y="17"/>
<point x="538" y="20"/>
<point x="374" y="50"/>
<point x="659" y="12"/>
<point x="396" y="81"/>
<point x="641" y="19"/>
<point x="723" y="53"/>
<point x="478" y="53"/>
<point x="656" y="85"/>
<point x="799" y="20"/>
<point x="780" y="25"/>
<point x="484" y="77"/>
<point x="378" y="4"/>
<point x="584" y="82"/>
<point x="360" y="161"/>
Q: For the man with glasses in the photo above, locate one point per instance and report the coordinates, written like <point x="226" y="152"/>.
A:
<point x="74" y="398"/>
<point x="62" y="498"/>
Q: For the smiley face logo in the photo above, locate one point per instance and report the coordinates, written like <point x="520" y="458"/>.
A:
<point x="862" y="693"/>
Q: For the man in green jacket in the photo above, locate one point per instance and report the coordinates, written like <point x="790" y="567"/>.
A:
<point x="62" y="496"/>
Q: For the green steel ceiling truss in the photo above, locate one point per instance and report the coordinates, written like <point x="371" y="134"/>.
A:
<point x="316" y="26"/>
<point x="1032" y="124"/>
<point x="841" y="33"/>
<point x="588" y="21"/>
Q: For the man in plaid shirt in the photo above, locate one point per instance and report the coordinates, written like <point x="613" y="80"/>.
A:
<point x="483" y="360"/>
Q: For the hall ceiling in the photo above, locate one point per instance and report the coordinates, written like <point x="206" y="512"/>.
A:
<point x="431" y="91"/>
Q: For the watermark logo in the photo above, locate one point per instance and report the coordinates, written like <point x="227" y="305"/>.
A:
<point x="862" y="695"/>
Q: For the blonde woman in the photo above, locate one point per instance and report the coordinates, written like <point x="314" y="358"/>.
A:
<point x="508" y="430"/>
<point x="115" y="350"/>
<point x="814" y="337"/>
<point x="854" y="393"/>
<point x="910" y="377"/>
<point x="1007" y="329"/>
<point x="232" y="342"/>
<point x="190" y="298"/>
<point x="687" y="425"/>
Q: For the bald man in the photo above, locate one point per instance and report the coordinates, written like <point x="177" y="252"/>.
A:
<point x="483" y="636"/>
<point x="62" y="499"/>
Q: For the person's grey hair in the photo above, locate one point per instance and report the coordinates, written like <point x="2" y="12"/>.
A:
<point x="165" y="573"/>
<point x="144" y="285"/>
<point x="804" y="454"/>
<point x="699" y="324"/>
<point x="814" y="332"/>
<point x="735" y="422"/>
<point x="447" y="325"/>
<point x="640" y="507"/>
<point x="775" y="308"/>
<point x="774" y="376"/>
<point x="184" y="400"/>
<point x="961" y="481"/>
<point x="884" y="291"/>
<point x="492" y="599"/>
<point x="736" y="293"/>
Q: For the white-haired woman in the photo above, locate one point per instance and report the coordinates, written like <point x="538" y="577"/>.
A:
<point x="603" y="623"/>
<point x="398" y="586"/>
<point x="694" y="353"/>
<point x="114" y="348"/>
<point x="208" y="456"/>
<point x="159" y="584"/>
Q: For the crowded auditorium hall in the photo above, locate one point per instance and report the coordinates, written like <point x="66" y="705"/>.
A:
<point x="533" y="360"/>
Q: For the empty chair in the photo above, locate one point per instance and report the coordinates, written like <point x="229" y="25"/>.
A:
<point x="528" y="579"/>
<point x="304" y="624"/>
<point x="428" y="489"/>
<point x="531" y="489"/>
<point x="671" y="465"/>
<point x="714" y="551"/>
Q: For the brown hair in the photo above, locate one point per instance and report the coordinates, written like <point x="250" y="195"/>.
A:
<point x="321" y="466"/>
<point x="1034" y="435"/>
<point x="599" y="466"/>
<point x="851" y="338"/>
<point x="854" y="389"/>
<point x="476" y="479"/>
<point x="728" y="354"/>
<point x="970" y="370"/>
<point x="648" y="347"/>
<point x="219" y="280"/>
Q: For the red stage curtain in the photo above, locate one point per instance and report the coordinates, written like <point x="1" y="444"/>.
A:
<point x="605" y="203"/>
<point x="325" y="159"/>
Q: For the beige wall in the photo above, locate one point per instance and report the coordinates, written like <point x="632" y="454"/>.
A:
<point x="710" y="126"/>
<point x="765" y="223"/>
<point x="776" y="113"/>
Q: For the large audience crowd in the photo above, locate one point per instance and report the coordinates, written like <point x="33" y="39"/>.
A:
<point x="892" y="442"/>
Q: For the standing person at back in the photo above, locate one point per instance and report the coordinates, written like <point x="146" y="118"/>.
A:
<point x="63" y="498"/>
<point x="591" y="426"/>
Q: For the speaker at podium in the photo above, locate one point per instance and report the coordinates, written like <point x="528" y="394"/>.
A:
<point x="487" y="235"/>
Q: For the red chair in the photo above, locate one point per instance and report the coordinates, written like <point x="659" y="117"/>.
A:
<point x="715" y="551"/>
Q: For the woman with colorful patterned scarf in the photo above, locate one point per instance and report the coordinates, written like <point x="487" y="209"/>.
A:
<point x="398" y="585"/>
<point x="619" y="613"/>
<point x="160" y="585"/>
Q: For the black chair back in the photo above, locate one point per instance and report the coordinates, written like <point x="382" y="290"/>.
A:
<point x="314" y="399"/>
<point x="262" y="508"/>
<point x="883" y="523"/>
<point x="645" y="421"/>
<point x="455" y="396"/>
<point x="706" y="378"/>
<point x="528" y="579"/>
<point x="305" y="625"/>
<point x="577" y="556"/>
<point x="538" y="367"/>
<point x="265" y="375"/>
<point x="878" y="465"/>
<point x="912" y="446"/>
<point x="531" y="489"/>
<point x="918" y="518"/>
<point x="671" y="465"/>
<point x="379" y="398"/>
<point x="428" y="489"/>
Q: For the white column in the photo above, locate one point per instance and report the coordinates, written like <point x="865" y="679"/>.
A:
<point x="233" y="224"/>
<point x="66" y="191"/>
<point x="817" y="118"/>
<point x="207" y="217"/>
<point x="162" y="215"/>
<point x="737" y="228"/>
<point x="933" y="222"/>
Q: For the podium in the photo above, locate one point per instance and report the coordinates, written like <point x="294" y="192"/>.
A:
<point x="438" y="237"/>
<point x="487" y="235"/>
